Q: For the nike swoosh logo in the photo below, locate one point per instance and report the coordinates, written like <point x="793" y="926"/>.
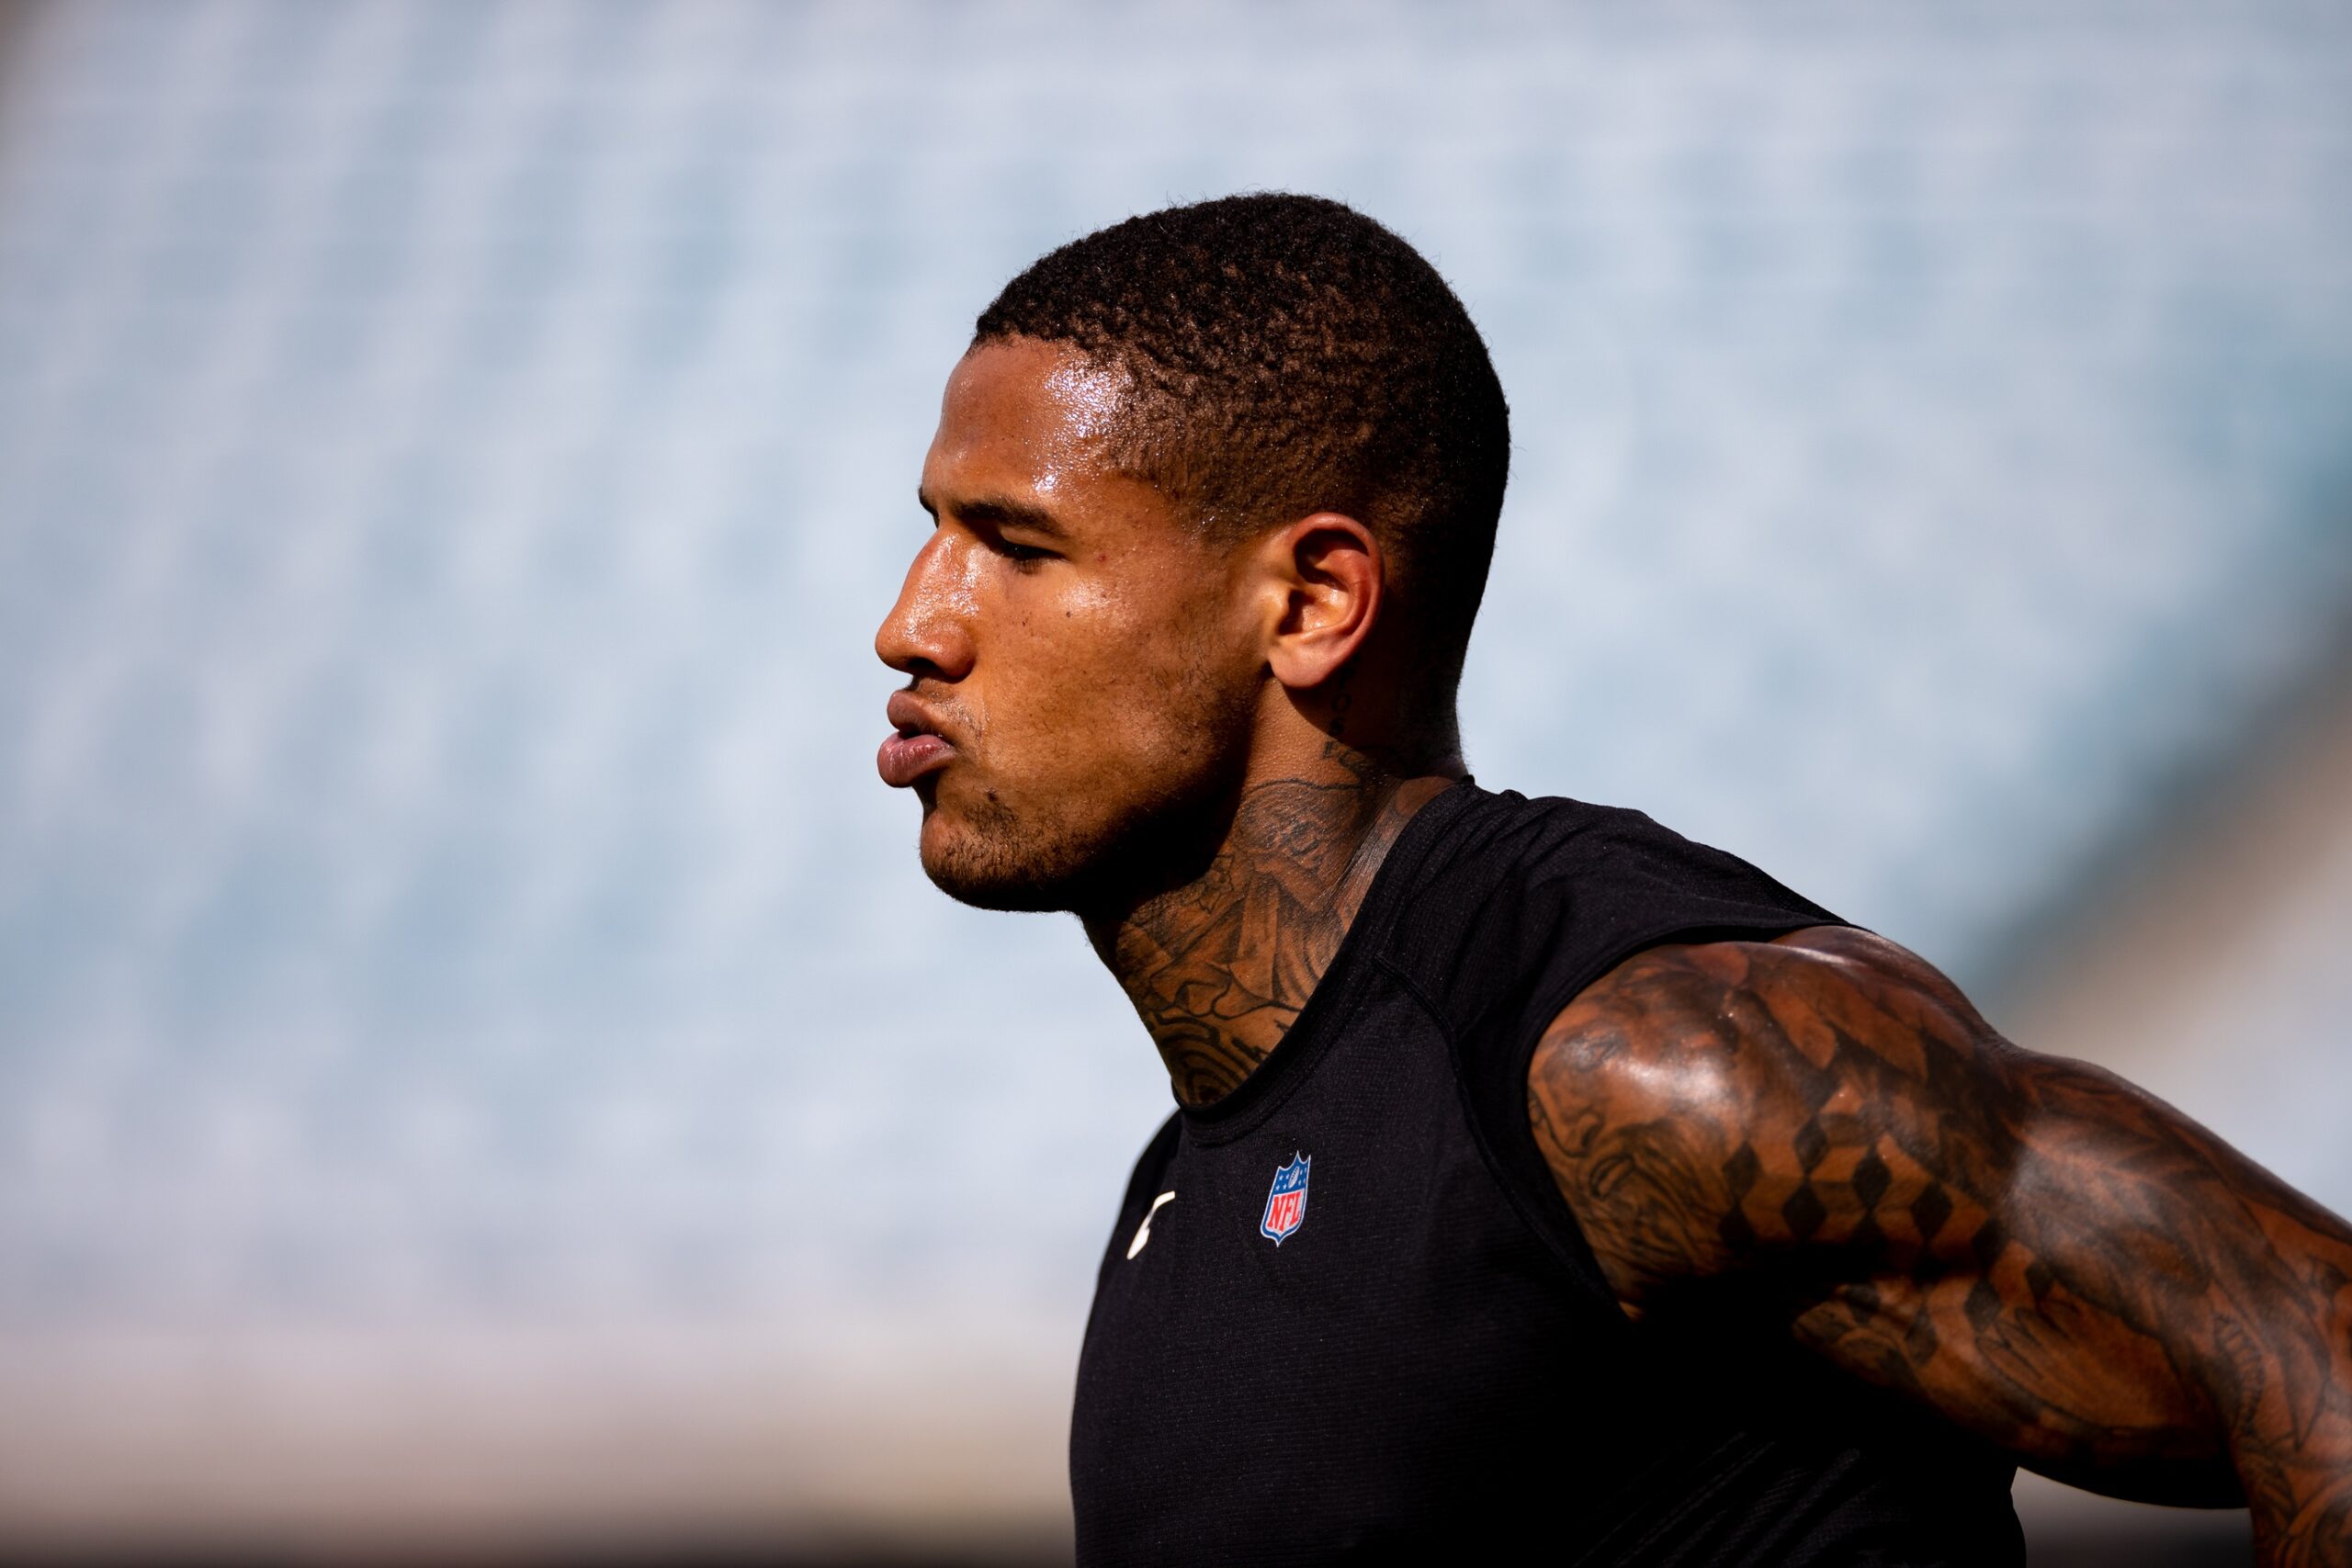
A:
<point x="1143" y="1231"/>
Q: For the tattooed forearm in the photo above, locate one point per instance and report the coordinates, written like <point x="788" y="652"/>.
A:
<point x="1219" y="966"/>
<point x="2029" y="1245"/>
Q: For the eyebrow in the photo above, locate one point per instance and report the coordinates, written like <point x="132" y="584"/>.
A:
<point x="1000" y="511"/>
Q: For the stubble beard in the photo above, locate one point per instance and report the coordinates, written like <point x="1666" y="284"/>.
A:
<point x="1084" y="859"/>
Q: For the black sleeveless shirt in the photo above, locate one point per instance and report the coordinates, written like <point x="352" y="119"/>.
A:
<point x="1346" y="1315"/>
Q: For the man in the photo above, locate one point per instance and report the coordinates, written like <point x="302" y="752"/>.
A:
<point x="1539" y="1179"/>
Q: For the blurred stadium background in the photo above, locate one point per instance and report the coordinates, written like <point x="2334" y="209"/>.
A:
<point x="481" y="1070"/>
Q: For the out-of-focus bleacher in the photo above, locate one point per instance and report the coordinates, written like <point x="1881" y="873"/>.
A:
<point x="478" y="1059"/>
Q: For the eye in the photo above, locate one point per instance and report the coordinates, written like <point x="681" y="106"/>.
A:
<point x="1020" y="555"/>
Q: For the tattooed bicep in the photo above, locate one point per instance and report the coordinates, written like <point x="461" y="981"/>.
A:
<point x="1710" y="1108"/>
<point x="2030" y="1246"/>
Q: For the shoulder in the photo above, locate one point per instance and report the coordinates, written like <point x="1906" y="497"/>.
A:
<point x="1821" y="988"/>
<point x="1545" y="839"/>
<point x="1528" y="901"/>
<point x="1705" y="1104"/>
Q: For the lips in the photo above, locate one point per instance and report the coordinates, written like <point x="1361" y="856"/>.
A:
<point x="906" y="758"/>
<point x="917" y="748"/>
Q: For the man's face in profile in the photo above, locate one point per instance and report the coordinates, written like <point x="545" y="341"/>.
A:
<point x="1080" y="660"/>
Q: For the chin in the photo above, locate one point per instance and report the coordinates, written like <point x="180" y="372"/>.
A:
<point x="995" y="870"/>
<point x="998" y="857"/>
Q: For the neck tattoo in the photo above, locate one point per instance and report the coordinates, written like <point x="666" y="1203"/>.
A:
<point x="1219" y="967"/>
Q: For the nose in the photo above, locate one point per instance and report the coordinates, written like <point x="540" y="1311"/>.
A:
<point x="927" y="631"/>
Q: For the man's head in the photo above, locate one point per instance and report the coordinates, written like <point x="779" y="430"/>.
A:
<point x="1206" y="482"/>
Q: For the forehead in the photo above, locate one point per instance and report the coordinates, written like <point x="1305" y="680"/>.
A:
<point x="1026" y="417"/>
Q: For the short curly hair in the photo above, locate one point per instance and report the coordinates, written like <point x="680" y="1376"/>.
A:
<point x="1290" y="354"/>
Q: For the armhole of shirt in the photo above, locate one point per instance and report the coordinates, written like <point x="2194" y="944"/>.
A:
<point x="1493" y="1094"/>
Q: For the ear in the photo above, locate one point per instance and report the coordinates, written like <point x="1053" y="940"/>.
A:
<point x="1324" y="577"/>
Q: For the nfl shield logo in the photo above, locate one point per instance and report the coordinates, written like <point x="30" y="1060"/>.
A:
<point x="1286" y="1201"/>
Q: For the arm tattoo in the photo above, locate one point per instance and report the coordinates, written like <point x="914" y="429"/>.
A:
<point x="2027" y="1245"/>
<point x="1219" y="967"/>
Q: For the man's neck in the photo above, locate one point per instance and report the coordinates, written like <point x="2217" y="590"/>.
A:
<point x="1220" y="966"/>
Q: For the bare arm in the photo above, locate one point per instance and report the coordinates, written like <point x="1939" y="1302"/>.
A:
<point x="2027" y="1245"/>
